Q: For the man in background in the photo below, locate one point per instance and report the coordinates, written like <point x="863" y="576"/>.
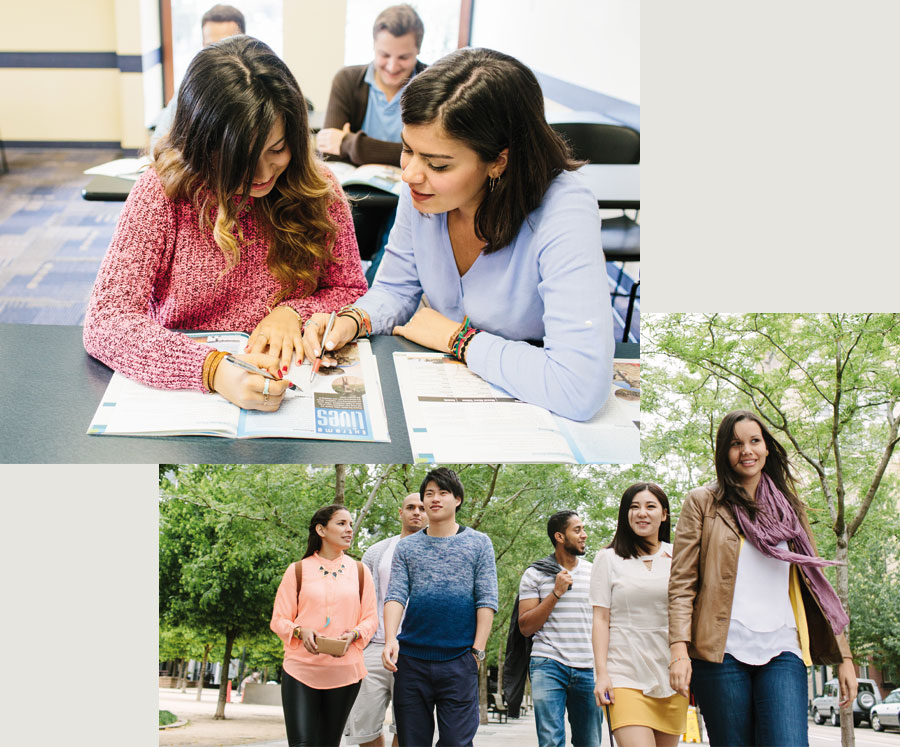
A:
<point x="219" y="22"/>
<point x="366" y="721"/>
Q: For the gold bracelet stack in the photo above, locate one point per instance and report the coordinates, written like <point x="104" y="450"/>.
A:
<point x="210" y="365"/>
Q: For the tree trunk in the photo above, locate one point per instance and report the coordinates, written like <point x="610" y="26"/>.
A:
<point x="340" y="479"/>
<point x="842" y="587"/>
<point x="500" y="658"/>
<point x="184" y="663"/>
<point x="265" y="677"/>
<point x="223" y="685"/>
<point x="482" y="693"/>
<point x="206" y="649"/>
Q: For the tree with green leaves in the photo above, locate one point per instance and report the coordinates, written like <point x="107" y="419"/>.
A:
<point x="827" y="386"/>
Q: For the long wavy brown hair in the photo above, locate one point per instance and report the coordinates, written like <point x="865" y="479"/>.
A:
<point x="233" y="94"/>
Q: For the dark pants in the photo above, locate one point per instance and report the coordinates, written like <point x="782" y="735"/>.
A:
<point x="744" y="704"/>
<point x="452" y="686"/>
<point x="315" y="718"/>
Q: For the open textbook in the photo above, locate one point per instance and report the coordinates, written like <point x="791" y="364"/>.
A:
<point x="377" y="175"/>
<point x="453" y="415"/>
<point x="124" y="168"/>
<point x="343" y="403"/>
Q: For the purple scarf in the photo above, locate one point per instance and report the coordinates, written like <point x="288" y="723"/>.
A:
<point x="777" y="521"/>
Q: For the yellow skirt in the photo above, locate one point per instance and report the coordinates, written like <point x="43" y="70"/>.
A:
<point x="633" y="708"/>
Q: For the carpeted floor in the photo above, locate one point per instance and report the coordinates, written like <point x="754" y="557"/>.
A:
<point x="52" y="241"/>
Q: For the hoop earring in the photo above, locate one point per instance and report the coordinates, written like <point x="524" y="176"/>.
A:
<point x="493" y="182"/>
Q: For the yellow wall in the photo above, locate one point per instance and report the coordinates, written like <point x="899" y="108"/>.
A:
<point x="97" y="105"/>
<point x="314" y="44"/>
<point x="79" y="104"/>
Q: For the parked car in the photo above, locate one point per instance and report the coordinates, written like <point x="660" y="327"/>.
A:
<point x="827" y="705"/>
<point x="886" y="713"/>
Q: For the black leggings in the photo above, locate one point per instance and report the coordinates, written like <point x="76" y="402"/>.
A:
<point x="315" y="718"/>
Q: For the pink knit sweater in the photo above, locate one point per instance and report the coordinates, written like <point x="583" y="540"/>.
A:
<point x="163" y="272"/>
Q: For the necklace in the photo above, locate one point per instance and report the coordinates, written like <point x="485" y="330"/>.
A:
<point x="330" y="573"/>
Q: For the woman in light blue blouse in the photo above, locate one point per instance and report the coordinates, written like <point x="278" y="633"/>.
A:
<point x="500" y="237"/>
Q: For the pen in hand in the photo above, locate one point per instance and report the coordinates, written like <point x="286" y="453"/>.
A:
<point x="253" y="369"/>
<point x="318" y="360"/>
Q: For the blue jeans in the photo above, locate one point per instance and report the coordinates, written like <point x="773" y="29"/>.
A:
<point x="744" y="704"/>
<point x="556" y="689"/>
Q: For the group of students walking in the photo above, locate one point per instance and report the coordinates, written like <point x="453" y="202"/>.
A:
<point x="733" y="611"/>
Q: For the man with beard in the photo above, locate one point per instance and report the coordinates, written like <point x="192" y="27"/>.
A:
<point x="557" y="612"/>
<point x="366" y="721"/>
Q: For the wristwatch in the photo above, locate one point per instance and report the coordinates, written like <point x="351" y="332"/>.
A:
<point x="479" y="654"/>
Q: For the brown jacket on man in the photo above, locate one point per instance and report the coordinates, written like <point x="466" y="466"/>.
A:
<point x="348" y="102"/>
<point x="701" y="585"/>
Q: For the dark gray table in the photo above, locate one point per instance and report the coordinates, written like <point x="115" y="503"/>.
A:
<point x="45" y="417"/>
<point x="614" y="185"/>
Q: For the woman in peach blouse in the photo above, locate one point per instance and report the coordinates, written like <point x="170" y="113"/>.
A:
<point x="318" y="689"/>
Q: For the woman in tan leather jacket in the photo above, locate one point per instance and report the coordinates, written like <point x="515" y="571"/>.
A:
<point x="749" y="606"/>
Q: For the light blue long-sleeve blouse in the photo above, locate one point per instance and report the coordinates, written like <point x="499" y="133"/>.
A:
<point x="549" y="283"/>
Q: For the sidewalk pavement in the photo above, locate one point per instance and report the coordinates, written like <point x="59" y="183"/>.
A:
<point x="263" y="726"/>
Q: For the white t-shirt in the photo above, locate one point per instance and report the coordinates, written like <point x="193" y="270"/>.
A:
<point x="566" y="636"/>
<point x="762" y="618"/>
<point x="637" y="598"/>
<point x="384" y="578"/>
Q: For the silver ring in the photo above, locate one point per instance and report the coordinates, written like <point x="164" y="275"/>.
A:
<point x="310" y="322"/>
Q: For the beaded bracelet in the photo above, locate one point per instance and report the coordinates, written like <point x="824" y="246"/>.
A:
<point x="457" y="334"/>
<point x="680" y="658"/>
<point x="464" y="347"/>
<point x="361" y="317"/>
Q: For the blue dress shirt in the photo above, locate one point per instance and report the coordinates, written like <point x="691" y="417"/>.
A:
<point x="549" y="283"/>
<point x="382" y="120"/>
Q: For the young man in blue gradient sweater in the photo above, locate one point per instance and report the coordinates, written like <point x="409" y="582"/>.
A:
<point x="446" y="579"/>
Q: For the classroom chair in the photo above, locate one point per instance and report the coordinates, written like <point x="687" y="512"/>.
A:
<point x="597" y="142"/>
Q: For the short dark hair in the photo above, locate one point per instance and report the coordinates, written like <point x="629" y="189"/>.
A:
<point x="445" y="479"/>
<point x="400" y="20"/>
<point x="224" y="14"/>
<point x="729" y="488"/>
<point x="322" y="516"/>
<point x="625" y="543"/>
<point x="558" y="523"/>
<point x="490" y="101"/>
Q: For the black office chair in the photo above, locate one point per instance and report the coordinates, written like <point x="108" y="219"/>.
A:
<point x="621" y="235"/>
<point x="4" y="166"/>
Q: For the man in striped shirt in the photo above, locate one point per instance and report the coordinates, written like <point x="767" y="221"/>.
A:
<point x="557" y="612"/>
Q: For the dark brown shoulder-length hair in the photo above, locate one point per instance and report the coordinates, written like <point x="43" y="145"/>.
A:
<point x="320" y="517"/>
<point x="728" y="487"/>
<point x="625" y="543"/>
<point x="491" y="101"/>
<point x="233" y="94"/>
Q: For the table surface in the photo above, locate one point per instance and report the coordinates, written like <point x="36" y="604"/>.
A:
<point x="614" y="185"/>
<point x="45" y="419"/>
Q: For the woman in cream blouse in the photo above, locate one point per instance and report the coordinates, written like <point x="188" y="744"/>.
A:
<point x="629" y="592"/>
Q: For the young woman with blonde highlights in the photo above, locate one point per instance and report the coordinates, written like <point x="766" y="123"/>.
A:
<point x="234" y="227"/>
